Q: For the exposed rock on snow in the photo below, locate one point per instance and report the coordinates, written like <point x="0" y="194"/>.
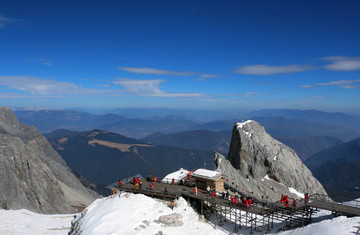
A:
<point x="251" y="164"/>
<point x="33" y="176"/>
<point x="172" y="220"/>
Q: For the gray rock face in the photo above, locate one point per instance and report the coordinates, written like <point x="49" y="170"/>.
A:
<point x="258" y="163"/>
<point x="32" y="175"/>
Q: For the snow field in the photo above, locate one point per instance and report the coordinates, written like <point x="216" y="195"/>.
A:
<point x="139" y="214"/>
<point x="20" y="222"/>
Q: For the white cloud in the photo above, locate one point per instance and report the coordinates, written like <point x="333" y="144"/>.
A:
<point x="307" y="86"/>
<point x="37" y="86"/>
<point x="208" y="75"/>
<point x="347" y="84"/>
<point x="342" y="63"/>
<point x="272" y="70"/>
<point x="251" y="94"/>
<point x="5" y="20"/>
<point x="150" y="88"/>
<point x="155" y="71"/>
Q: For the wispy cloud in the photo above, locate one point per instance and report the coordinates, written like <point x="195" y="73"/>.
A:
<point x="37" y="86"/>
<point x="251" y="94"/>
<point x="272" y="70"/>
<point x="342" y="63"/>
<point x="150" y="88"/>
<point x="156" y="71"/>
<point x="347" y="84"/>
<point x="208" y="75"/>
<point x="307" y="86"/>
<point x="5" y="20"/>
<point x="46" y="62"/>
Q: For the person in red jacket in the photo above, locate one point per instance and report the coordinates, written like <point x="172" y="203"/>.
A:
<point x="306" y="198"/>
<point x="243" y="201"/>
<point x="195" y="190"/>
<point x="236" y="201"/>
<point x="294" y="203"/>
<point x="213" y="195"/>
<point x="249" y="202"/>
<point x="287" y="202"/>
<point x="119" y="184"/>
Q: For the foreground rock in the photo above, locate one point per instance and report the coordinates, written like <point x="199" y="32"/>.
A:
<point x="258" y="163"/>
<point x="33" y="176"/>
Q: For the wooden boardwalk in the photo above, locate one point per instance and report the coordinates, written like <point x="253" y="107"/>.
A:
<point x="259" y="217"/>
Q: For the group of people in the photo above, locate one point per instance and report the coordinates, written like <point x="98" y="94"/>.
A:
<point x="236" y="199"/>
<point x="245" y="201"/>
<point x="286" y="201"/>
<point x="152" y="179"/>
<point x="136" y="181"/>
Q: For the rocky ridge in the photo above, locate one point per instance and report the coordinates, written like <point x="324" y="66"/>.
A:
<point x="32" y="174"/>
<point x="258" y="163"/>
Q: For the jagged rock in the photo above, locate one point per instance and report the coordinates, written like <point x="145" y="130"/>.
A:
<point x="172" y="220"/>
<point x="258" y="163"/>
<point x="33" y="176"/>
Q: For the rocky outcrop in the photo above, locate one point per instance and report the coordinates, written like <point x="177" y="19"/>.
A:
<point x="32" y="174"/>
<point x="258" y="163"/>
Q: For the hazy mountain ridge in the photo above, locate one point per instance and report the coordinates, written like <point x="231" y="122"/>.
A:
<point x="337" y="119"/>
<point x="103" y="157"/>
<point x="342" y="161"/>
<point x="49" y="120"/>
<point x="198" y="139"/>
<point x="306" y="146"/>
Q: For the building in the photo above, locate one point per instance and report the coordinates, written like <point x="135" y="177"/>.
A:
<point x="204" y="178"/>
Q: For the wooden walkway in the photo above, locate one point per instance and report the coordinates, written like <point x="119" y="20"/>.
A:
<point x="259" y="217"/>
<point x="325" y="202"/>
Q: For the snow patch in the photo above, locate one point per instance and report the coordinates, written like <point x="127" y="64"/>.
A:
<point x="294" y="191"/>
<point x="177" y="176"/>
<point x="27" y="222"/>
<point x="206" y="173"/>
<point x="241" y="124"/>
<point x="266" y="177"/>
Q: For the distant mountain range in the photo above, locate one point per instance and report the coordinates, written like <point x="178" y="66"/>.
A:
<point x="276" y="122"/>
<point x="199" y="139"/>
<point x="337" y="169"/>
<point x="103" y="157"/>
<point x="306" y="131"/>
<point x="304" y="146"/>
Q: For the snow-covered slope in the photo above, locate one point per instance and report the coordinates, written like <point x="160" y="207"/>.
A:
<point x="139" y="214"/>
<point x="20" y="222"/>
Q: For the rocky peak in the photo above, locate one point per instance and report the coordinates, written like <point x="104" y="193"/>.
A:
<point x="9" y="124"/>
<point x="33" y="176"/>
<point x="260" y="164"/>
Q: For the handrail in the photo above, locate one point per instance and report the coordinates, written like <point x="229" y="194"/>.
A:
<point x="270" y="207"/>
<point x="326" y="198"/>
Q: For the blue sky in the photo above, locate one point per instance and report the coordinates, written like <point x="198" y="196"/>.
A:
<point x="209" y="55"/>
